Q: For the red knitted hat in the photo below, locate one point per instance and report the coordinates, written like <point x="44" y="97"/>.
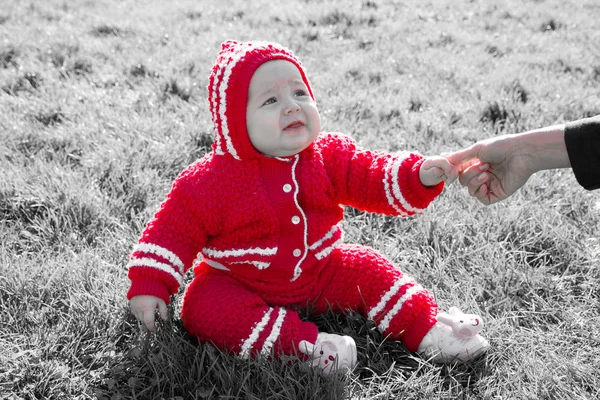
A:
<point x="228" y="92"/>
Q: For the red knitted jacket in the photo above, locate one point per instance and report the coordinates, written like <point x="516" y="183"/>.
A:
<point x="270" y="220"/>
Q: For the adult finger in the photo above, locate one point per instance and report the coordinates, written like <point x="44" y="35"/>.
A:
<point x="482" y="194"/>
<point x="451" y="171"/>
<point x="473" y="171"/>
<point x="475" y="183"/>
<point x="497" y="191"/>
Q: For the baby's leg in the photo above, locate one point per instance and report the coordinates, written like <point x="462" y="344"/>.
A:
<point x="218" y="309"/>
<point x="359" y="278"/>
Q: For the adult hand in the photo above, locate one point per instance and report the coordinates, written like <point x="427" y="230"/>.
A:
<point x="493" y="169"/>
<point x="144" y="309"/>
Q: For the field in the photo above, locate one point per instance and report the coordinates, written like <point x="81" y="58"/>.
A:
<point x="103" y="103"/>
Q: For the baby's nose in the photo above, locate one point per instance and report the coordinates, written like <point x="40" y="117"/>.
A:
<point x="292" y="107"/>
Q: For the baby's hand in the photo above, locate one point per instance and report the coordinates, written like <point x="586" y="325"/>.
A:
<point x="144" y="308"/>
<point x="437" y="169"/>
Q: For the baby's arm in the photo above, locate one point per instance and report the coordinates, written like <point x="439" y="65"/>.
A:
<point x="437" y="169"/>
<point x="384" y="183"/>
<point x="167" y="248"/>
<point x="144" y="309"/>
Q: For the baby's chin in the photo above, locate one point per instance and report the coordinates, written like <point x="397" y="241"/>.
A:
<point x="287" y="153"/>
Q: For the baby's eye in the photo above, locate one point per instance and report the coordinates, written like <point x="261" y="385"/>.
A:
<point x="270" y="101"/>
<point x="300" y="92"/>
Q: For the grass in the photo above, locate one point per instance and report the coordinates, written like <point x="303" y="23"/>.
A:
<point x="103" y="103"/>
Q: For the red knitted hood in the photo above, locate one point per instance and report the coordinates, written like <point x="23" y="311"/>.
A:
<point x="228" y="92"/>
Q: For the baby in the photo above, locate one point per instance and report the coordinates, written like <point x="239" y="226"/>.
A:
<point x="262" y="210"/>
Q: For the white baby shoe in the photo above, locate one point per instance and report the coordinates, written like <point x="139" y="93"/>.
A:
<point x="331" y="353"/>
<point x="454" y="338"/>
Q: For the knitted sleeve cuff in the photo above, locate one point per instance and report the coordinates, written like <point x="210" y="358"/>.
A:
<point x="147" y="287"/>
<point x="416" y="194"/>
<point x="403" y="188"/>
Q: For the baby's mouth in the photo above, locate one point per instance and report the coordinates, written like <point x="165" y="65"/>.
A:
<point x="294" y="125"/>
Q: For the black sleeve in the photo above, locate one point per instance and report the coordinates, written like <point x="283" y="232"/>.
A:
<point x="582" y="138"/>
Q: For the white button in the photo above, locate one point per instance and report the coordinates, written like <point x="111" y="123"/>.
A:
<point x="295" y="220"/>
<point x="297" y="253"/>
<point x="287" y="188"/>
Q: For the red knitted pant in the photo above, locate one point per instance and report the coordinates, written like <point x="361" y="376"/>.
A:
<point x="219" y="309"/>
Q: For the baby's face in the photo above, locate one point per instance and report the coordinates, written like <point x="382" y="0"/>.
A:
<point x="281" y="116"/>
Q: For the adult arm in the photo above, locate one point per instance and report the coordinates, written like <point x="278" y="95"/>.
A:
<point x="495" y="168"/>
